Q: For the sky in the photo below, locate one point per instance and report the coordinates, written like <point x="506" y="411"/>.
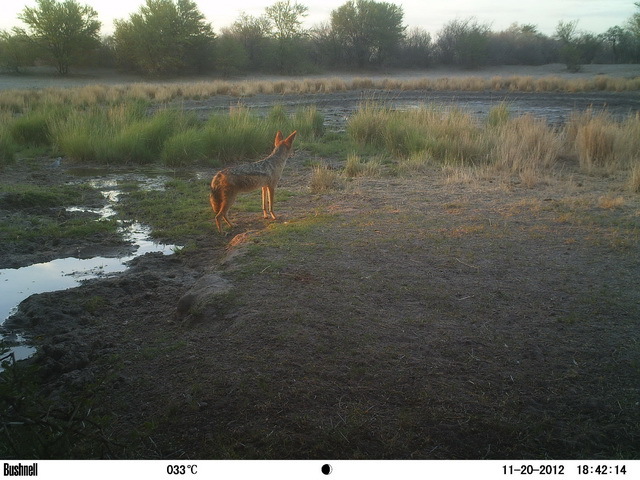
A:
<point x="594" y="16"/>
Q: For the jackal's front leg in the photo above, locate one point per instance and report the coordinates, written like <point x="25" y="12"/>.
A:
<point x="268" y="194"/>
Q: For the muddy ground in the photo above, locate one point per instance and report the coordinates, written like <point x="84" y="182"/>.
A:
<point x="393" y="317"/>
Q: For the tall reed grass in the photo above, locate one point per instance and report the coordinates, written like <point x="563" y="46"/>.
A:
<point x="603" y="144"/>
<point x="112" y="125"/>
<point x="126" y="133"/>
<point x="446" y="134"/>
<point x="523" y="147"/>
<point x="526" y="147"/>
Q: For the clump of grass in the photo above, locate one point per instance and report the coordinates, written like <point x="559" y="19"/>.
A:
<point x="278" y="116"/>
<point x="416" y="162"/>
<point x="526" y="146"/>
<point x="324" y="179"/>
<point x="356" y="166"/>
<point x="368" y="125"/>
<point x="31" y="129"/>
<point x="593" y="139"/>
<point x="498" y="115"/>
<point x="142" y="141"/>
<point x="309" y="122"/>
<point x="8" y="146"/>
<point x="610" y="202"/>
<point x="522" y="146"/>
<point x="448" y="136"/>
<point x="128" y="134"/>
<point x="185" y="148"/>
<point x="238" y="135"/>
<point x="105" y="135"/>
<point x="633" y="183"/>
<point x="603" y="144"/>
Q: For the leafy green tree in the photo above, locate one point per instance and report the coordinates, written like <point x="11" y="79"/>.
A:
<point x="253" y="33"/>
<point x="588" y="45"/>
<point x="633" y="44"/>
<point x="231" y="55"/>
<point x="414" y="50"/>
<point x="66" y="31"/>
<point x="634" y="22"/>
<point x="566" y="33"/>
<point x="286" y="26"/>
<point x="616" y="38"/>
<point x="16" y="51"/>
<point x="165" y="37"/>
<point x="286" y="19"/>
<point x="464" y="43"/>
<point x="521" y="45"/>
<point x="368" y="31"/>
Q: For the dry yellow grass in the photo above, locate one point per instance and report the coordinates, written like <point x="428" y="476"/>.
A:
<point x="527" y="147"/>
<point x="633" y="183"/>
<point x="355" y="166"/>
<point x="21" y="99"/>
<point x="603" y="144"/>
<point x="610" y="202"/>
<point x="324" y="179"/>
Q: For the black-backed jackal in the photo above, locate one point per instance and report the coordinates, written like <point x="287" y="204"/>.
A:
<point x="227" y="183"/>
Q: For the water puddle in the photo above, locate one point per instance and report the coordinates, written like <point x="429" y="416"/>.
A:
<point x="17" y="284"/>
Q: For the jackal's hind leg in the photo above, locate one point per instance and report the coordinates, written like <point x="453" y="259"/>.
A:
<point x="225" y="205"/>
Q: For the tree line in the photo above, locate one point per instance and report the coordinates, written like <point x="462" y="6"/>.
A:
<point x="169" y="37"/>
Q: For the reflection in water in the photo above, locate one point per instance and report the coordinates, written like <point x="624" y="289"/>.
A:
<point x="17" y="284"/>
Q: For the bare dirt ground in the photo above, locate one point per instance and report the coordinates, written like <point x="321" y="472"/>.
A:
<point x="396" y="317"/>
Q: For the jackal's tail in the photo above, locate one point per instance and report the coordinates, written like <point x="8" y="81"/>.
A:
<point x="215" y="197"/>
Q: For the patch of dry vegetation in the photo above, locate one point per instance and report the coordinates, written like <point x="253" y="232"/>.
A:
<point x="521" y="148"/>
<point x="20" y="100"/>
<point x="604" y="144"/>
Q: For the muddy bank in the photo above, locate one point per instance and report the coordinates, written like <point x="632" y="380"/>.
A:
<point x="337" y="107"/>
<point x="64" y="324"/>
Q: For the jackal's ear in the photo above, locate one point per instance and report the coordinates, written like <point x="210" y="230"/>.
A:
<point x="289" y="139"/>
<point x="278" y="138"/>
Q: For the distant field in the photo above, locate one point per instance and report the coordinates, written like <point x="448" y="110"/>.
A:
<point x="46" y="78"/>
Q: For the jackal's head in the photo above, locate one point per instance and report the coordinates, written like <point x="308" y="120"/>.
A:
<point x="287" y="142"/>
